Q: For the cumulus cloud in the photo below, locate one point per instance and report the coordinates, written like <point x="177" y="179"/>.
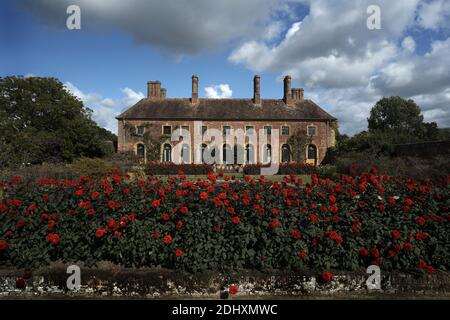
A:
<point x="346" y="67"/>
<point x="106" y="109"/>
<point x="220" y="91"/>
<point x="177" y="26"/>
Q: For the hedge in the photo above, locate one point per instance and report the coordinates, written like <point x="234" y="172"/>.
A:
<point x="169" y="168"/>
<point x="283" y="169"/>
<point x="345" y="224"/>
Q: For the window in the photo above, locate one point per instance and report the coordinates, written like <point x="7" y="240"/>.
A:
<point x="185" y="128"/>
<point x="185" y="153"/>
<point x="285" y="153"/>
<point x="312" y="152"/>
<point x="226" y="154"/>
<point x="284" y="130"/>
<point x="268" y="130"/>
<point x="140" y="151"/>
<point x="250" y="154"/>
<point x="202" y="153"/>
<point x="249" y="130"/>
<point x="140" y="130"/>
<point x="238" y="154"/>
<point x="167" y="130"/>
<point x="267" y="155"/>
<point x="204" y="129"/>
<point x="311" y="131"/>
<point x="167" y="153"/>
<point x="226" y="130"/>
<point x="124" y="136"/>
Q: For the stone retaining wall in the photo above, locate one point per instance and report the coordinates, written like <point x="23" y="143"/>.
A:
<point x="160" y="283"/>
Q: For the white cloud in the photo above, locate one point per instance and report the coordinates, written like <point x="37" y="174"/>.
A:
<point x="409" y="44"/>
<point x="435" y="14"/>
<point x="106" y="109"/>
<point x="220" y="91"/>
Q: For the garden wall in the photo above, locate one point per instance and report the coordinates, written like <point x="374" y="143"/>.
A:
<point x="112" y="281"/>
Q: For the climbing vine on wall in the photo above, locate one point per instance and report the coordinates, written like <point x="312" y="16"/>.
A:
<point x="298" y="142"/>
<point x="151" y="142"/>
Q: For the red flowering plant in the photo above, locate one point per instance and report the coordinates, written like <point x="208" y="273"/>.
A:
<point x="218" y="223"/>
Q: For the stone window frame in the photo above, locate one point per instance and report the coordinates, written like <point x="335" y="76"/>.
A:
<point x="162" y="151"/>
<point x="162" y="130"/>
<point x="223" y="128"/>
<point x="268" y="126"/>
<point x="246" y="133"/>
<point x="137" y="130"/>
<point x="315" y="130"/>
<point x="289" y="130"/>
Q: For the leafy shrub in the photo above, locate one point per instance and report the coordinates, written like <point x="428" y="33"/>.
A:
<point x="159" y="168"/>
<point x="327" y="171"/>
<point x="91" y="167"/>
<point x="344" y="224"/>
<point x="284" y="168"/>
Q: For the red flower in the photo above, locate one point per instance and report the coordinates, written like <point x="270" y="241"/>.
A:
<point x="179" y="224"/>
<point x="20" y="223"/>
<point x="118" y="233"/>
<point x="296" y="234"/>
<point x="327" y="276"/>
<point x="275" y="211"/>
<point x="332" y="199"/>
<point x="167" y="239"/>
<point x="421" y="221"/>
<point x="395" y="234"/>
<point x="274" y="224"/>
<point x="313" y="218"/>
<point x="166" y="217"/>
<point x="111" y="223"/>
<point x="20" y="283"/>
<point x="3" y="245"/>
<point x="430" y="269"/>
<point x="26" y="274"/>
<point x="51" y="224"/>
<point x="178" y="253"/>
<point x="155" y="234"/>
<point x="184" y="210"/>
<point x="231" y="210"/>
<point x="375" y="253"/>
<point x="363" y="252"/>
<point x="233" y="289"/>
<point x="217" y="228"/>
<point x="422" y="264"/>
<point x="53" y="238"/>
<point x="32" y="207"/>
<point x="236" y="220"/>
<point x="95" y="194"/>
<point x="408" y="246"/>
<point x="156" y="203"/>
<point x="203" y="196"/>
<point x="45" y="197"/>
<point x="302" y="254"/>
<point x="409" y="202"/>
<point x="421" y="236"/>
<point x="79" y="192"/>
<point x="100" y="233"/>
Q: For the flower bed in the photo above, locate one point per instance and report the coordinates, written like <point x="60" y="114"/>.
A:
<point x="209" y="225"/>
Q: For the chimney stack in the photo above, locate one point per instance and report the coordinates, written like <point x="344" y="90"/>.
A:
<point x="287" y="90"/>
<point x="297" y="94"/>
<point x="163" y="93"/>
<point x="194" y="98"/>
<point x="154" y="89"/>
<point x="257" y="89"/>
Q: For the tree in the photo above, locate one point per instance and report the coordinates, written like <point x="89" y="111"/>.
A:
<point x="298" y="142"/>
<point x="402" y="118"/>
<point x="40" y="121"/>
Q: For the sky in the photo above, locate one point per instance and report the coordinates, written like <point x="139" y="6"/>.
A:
<point x="325" y="45"/>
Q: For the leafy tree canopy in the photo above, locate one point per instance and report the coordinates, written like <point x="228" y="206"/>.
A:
<point x="40" y="121"/>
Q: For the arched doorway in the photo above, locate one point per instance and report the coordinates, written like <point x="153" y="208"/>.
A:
<point x="312" y="154"/>
<point x="285" y="153"/>
<point x="140" y="151"/>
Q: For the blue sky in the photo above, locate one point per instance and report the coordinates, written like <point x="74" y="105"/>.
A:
<point x="324" y="45"/>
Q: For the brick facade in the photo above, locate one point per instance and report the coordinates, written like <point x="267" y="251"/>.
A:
<point x="127" y="142"/>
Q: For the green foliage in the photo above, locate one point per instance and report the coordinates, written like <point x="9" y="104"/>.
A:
<point x="255" y="224"/>
<point x="91" y="167"/>
<point x="152" y="143"/>
<point x="298" y="142"/>
<point x="40" y="121"/>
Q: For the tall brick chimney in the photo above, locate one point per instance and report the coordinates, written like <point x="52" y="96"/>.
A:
<point x="163" y="93"/>
<point x="194" y="98"/>
<point x="297" y="94"/>
<point x="257" y="89"/>
<point x="154" y="89"/>
<point x="287" y="90"/>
